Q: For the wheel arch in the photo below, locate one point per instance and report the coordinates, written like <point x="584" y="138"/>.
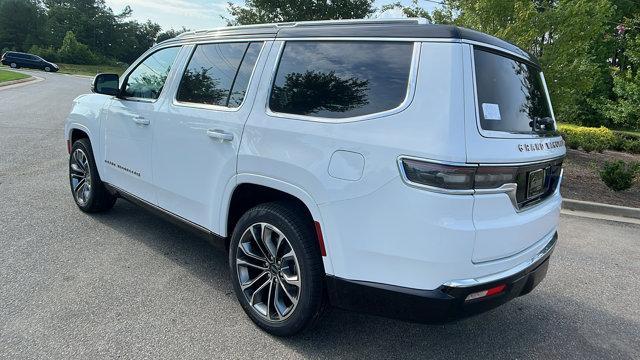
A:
<point x="250" y="190"/>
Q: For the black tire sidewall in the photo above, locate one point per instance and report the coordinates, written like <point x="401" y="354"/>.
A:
<point x="310" y="300"/>
<point x="85" y="146"/>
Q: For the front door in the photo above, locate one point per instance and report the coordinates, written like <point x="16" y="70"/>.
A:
<point x="127" y="129"/>
<point x="195" y="146"/>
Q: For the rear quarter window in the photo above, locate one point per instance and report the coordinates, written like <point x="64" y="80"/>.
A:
<point x="341" y="79"/>
<point x="511" y="95"/>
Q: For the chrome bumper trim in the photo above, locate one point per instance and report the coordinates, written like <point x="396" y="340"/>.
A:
<point x="464" y="283"/>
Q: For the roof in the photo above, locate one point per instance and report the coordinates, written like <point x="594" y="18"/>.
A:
<point x="374" y="28"/>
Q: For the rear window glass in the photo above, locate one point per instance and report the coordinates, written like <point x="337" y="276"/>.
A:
<point x="218" y="74"/>
<point x="341" y="79"/>
<point x="511" y="96"/>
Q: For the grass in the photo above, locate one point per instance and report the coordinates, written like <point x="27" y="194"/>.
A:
<point x="6" y="75"/>
<point x="90" y="70"/>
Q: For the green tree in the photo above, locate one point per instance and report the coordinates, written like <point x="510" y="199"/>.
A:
<point x="74" y="52"/>
<point x="270" y="11"/>
<point x="170" y="34"/>
<point x="21" y="24"/>
<point x="624" y="107"/>
<point x="572" y="38"/>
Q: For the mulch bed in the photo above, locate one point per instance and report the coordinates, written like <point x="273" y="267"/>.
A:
<point x="582" y="179"/>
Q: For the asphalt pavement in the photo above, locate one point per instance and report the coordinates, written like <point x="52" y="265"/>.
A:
<point x="125" y="284"/>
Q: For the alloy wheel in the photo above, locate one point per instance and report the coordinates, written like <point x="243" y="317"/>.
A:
<point x="47" y="69"/>
<point x="268" y="272"/>
<point x="80" y="173"/>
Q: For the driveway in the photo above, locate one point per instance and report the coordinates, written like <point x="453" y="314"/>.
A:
<point x="127" y="284"/>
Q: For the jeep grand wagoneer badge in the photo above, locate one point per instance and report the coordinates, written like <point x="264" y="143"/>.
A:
<point x="541" y="146"/>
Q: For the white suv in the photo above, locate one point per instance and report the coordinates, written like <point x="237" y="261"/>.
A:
<point x="391" y="167"/>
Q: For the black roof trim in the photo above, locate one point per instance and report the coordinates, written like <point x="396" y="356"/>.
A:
<point x="380" y="29"/>
<point x="401" y="31"/>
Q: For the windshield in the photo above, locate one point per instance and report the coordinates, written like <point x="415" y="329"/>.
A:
<point x="511" y="96"/>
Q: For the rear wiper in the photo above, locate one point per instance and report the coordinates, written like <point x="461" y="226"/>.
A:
<point x="542" y="124"/>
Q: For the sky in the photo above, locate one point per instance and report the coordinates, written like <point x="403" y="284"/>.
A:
<point x="197" y="14"/>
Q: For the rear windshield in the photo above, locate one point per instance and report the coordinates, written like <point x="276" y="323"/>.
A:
<point x="511" y="96"/>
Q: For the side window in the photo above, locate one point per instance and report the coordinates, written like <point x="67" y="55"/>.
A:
<point x="148" y="78"/>
<point x="341" y="79"/>
<point x="218" y="74"/>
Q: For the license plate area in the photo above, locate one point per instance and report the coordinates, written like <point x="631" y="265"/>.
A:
<point x="535" y="183"/>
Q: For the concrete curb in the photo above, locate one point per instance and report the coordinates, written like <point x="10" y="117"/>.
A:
<point x="598" y="208"/>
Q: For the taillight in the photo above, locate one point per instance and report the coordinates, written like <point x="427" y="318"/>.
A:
<point x="456" y="178"/>
<point x="439" y="175"/>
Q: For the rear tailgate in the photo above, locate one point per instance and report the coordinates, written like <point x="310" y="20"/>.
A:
<point x="511" y="124"/>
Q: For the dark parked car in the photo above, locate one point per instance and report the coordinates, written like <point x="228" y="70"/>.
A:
<point x="18" y="60"/>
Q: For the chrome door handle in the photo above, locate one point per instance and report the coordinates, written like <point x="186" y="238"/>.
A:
<point x="220" y="135"/>
<point x="140" y="120"/>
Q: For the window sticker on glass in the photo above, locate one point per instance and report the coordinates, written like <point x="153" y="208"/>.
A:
<point x="491" y="111"/>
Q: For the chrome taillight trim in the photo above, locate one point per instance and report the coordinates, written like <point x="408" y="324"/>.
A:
<point x="510" y="189"/>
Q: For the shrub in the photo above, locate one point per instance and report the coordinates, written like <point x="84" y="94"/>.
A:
<point x="619" y="175"/>
<point x="587" y="138"/>
<point x="74" y="52"/>
<point x="49" y="54"/>
<point x="627" y="142"/>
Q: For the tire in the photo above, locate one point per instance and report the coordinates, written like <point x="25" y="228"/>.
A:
<point x="13" y="65"/>
<point x="47" y="69"/>
<point x="87" y="189"/>
<point x="290" y="232"/>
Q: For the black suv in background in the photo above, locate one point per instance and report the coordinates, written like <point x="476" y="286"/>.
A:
<point x="18" y="60"/>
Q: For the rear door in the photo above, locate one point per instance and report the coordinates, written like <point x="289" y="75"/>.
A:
<point x="195" y="145"/>
<point x="510" y="124"/>
<point x="127" y="130"/>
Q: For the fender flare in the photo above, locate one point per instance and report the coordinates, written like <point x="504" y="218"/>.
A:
<point x="280" y="185"/>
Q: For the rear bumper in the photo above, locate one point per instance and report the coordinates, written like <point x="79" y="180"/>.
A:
<point x="443" y="304"/>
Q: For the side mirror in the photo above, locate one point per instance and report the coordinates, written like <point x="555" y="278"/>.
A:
<point x="106" y="84"/>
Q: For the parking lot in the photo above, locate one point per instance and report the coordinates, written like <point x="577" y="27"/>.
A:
<point x="127" y="284"/>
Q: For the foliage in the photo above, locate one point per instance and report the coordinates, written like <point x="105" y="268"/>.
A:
<point x="587" y="138"/>
<point x="624" y="109"/>
<point x="21" y="24"/>
<point x="200" y="87"/>
<point x="47" y="53"/>
<point x="170" y="34"/>
<point x="315" y="91"/>
<point x="588" y="49"/>
<point x="270" y="11"/>
<point x="74" y="52"/>
<point x="619" y="175"/>
<point x="44" y="23"/>
<point x="627" y="142"/>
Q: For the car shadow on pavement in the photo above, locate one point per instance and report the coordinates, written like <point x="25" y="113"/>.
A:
<point x="543" y="324"/>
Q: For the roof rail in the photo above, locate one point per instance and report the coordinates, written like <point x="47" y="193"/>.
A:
<point x="276" y="26"/>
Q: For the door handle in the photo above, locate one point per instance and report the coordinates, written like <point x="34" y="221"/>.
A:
<point x="220" y="135"/>
<point x="140" y="120"/>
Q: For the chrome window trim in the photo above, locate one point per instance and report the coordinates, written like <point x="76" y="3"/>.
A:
<point x="538" y="258"/>
<point x="408" y="99"/>
<point x="175" y="102"/>
<point x="510" y="189"/>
